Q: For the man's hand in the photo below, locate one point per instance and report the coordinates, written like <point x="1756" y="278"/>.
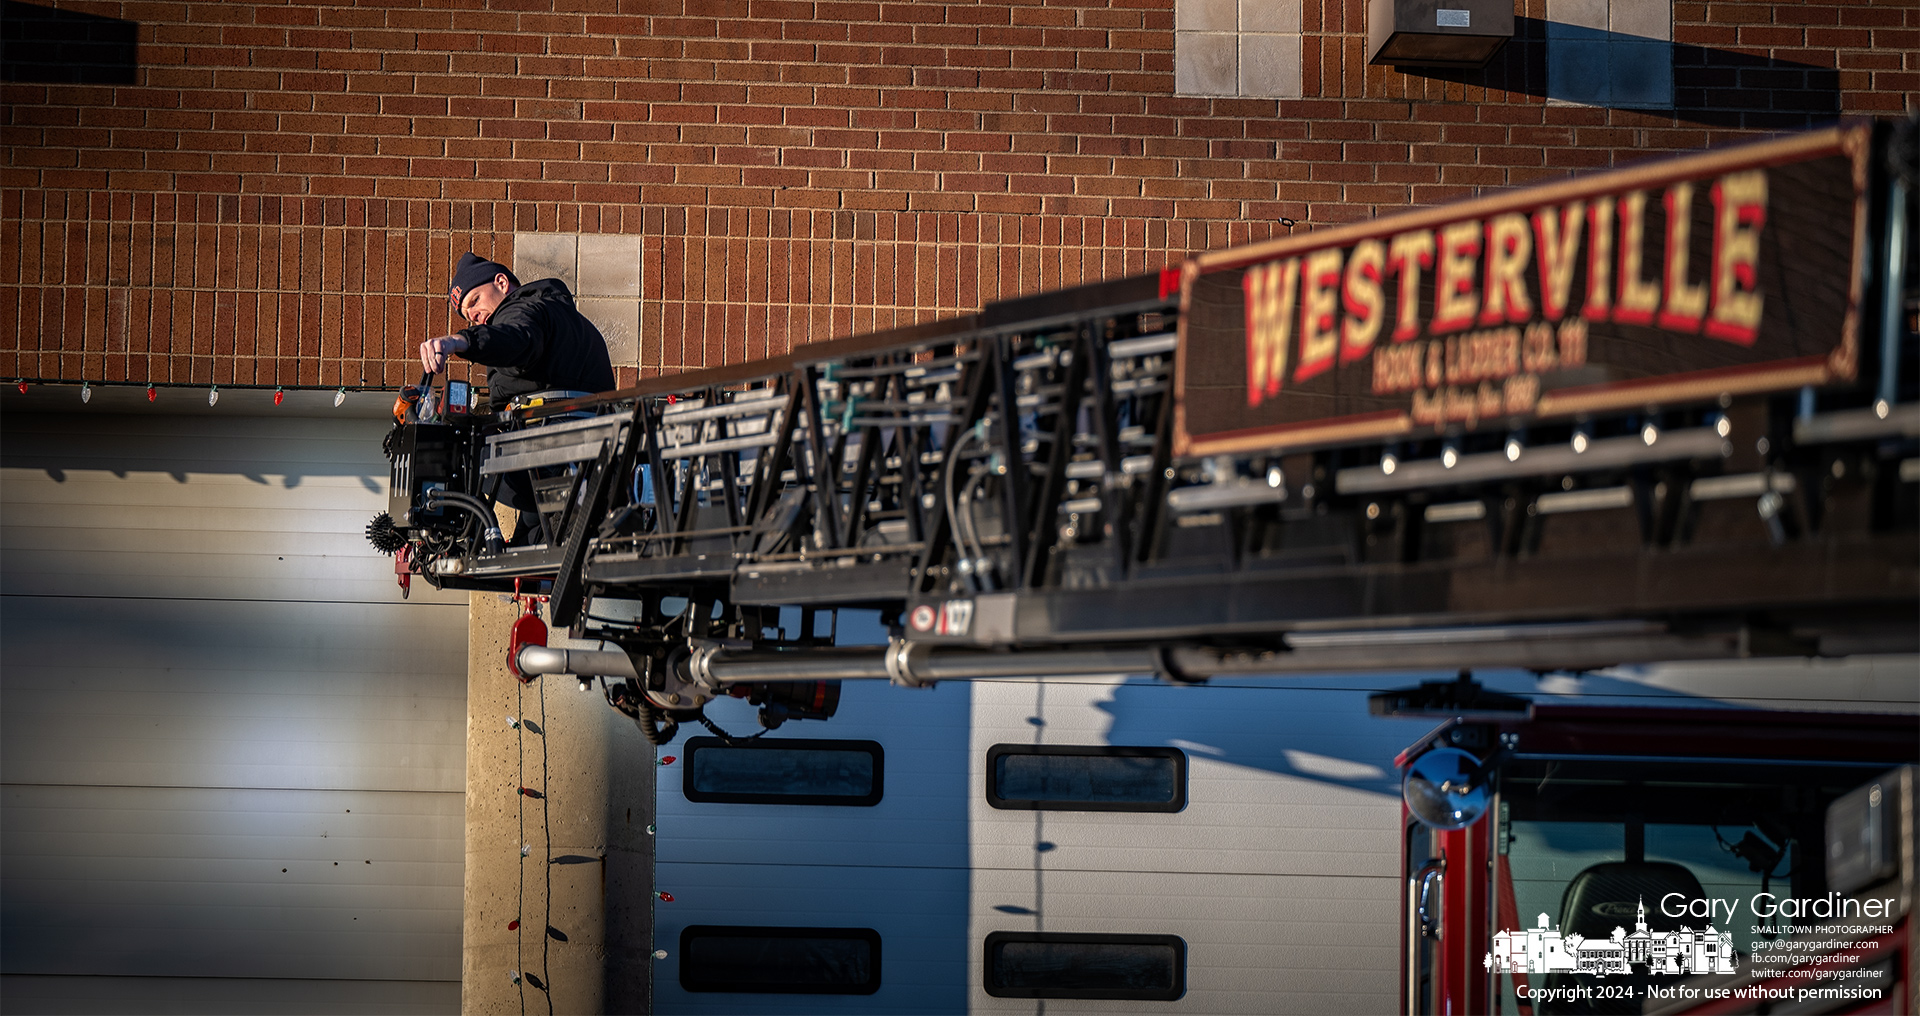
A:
<point x="434" y="352"/>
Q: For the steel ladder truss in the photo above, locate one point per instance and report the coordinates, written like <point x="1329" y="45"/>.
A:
<point x="1001" y="489"/>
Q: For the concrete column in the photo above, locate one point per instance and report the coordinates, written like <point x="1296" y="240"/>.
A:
<point x="587" y="870"/>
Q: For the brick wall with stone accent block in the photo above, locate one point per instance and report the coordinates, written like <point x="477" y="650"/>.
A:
<point x="276" y="196"/>
<point x="602" y="270"/>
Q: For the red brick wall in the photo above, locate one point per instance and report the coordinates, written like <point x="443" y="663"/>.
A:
<point x="277" y="197"/>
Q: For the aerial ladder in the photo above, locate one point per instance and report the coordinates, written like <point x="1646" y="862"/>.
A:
<point x="1663" y="412"/>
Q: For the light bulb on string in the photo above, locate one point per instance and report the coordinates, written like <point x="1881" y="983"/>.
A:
<point x="279" y="395"/>
<point x="23" y="385"/>
<point x="213" y="396"/>
<point x="513" y="925"/>
<point x="86" y="392"/>
<point x="659" y="954"/>
<point x="664" y="760"/>
<point x="152" y="392"/>
<point x="339" y="396"/>
<point x="665" y="897"/>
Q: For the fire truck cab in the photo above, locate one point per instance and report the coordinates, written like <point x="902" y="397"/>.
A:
<point x="1568" y="859"/>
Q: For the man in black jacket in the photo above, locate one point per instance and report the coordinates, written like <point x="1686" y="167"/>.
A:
<point x="531" y="338"/>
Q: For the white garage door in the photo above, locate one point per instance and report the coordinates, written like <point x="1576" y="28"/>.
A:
<point x="232" y="760"/>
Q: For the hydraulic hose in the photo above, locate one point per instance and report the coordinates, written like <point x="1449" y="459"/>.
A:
<point x="455" y="499"/>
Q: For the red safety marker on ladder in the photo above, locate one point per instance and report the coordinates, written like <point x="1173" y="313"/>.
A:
<point x="528" y="630"/>
<point x="402" y="570"/>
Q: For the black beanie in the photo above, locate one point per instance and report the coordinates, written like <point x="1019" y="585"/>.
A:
<point x="473" y="271"/>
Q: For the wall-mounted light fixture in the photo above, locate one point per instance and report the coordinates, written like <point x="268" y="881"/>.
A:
<point x="1437" y="33"/>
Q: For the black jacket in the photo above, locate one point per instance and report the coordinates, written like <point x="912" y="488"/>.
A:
<point x="537" y="340"/>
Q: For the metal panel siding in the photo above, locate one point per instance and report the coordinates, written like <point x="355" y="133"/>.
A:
<point x="920" y="820"/>
<point x="1283" y="781"/>
<point x="245" y="693"/>
<point x="207" y="676"/>
<point x="899" y="867"/>
<point x="1279" y="873"/>
<point x="204" y="882"/>
<point x="1255" y="943"/>
<point x="68" y="550"/>
<point x="196" y="507"/>
<point x="221" y="996"/>
<point x="1853" y="684"/>
<point x="913" y="908"/>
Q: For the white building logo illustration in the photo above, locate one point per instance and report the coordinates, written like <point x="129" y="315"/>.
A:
<point x="1544" y="950"/>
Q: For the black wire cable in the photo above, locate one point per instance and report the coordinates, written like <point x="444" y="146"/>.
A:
<point x="520" y="905"/>
<point x="723" y="735"/>
<point x="546" y="825"/>
<point x="657" y="727"/>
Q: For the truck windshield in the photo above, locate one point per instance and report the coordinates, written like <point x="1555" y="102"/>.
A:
<point x="1624" y="854"/>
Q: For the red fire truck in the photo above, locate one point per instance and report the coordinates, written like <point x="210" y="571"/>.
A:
<point x="1564" y="859"/>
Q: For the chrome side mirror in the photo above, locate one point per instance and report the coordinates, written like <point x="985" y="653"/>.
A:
<point x="1447" y="789"/>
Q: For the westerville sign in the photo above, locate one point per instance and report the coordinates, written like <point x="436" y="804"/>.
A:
<point x="1726" y="273"/>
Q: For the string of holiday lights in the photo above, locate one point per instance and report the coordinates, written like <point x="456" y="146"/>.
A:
<point x="659" y="893"/>
<point x="526" y="850"/>
<point x="546" y="830"/>
<point x="520" y="977"/>
<point x="213" y="388"/>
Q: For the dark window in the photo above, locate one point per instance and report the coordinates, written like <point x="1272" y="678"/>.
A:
<point x="1086" y="778"/>
<point x="41" y="44"/>
<point x="813" y="961"/>
<point x="1045" y="964"/>
<point x="1590" y="842"/>
<point x="787" y="771"/>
